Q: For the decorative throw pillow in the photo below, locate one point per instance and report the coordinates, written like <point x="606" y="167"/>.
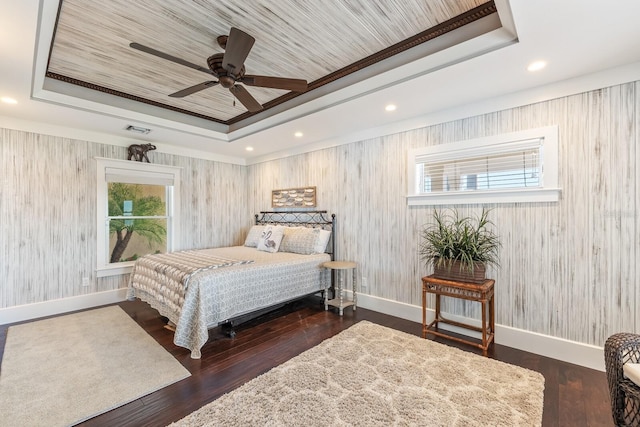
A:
<point x="323" y="240"/>
<point x="270" y="238"/>
<point x="299" y="240"/>
<point x="254" y="235"/>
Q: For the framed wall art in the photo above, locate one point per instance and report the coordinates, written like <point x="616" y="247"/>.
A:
<point x="304" y="197"/>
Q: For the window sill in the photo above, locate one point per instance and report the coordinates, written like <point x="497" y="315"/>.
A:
<point x="114" y="269"/>
<point x="485" y="197"/>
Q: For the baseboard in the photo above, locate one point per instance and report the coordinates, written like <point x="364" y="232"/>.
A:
<point x="586" y="355"/>
<point x="557" y="348"/>
<point x="24" y="312"/>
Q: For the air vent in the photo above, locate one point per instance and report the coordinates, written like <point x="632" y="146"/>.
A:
<point x="137" y="129"/>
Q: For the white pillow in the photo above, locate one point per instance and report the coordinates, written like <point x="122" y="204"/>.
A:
<point x="323" y="240"/>
<point x="271" y="238"/>
<point x="632" y="371"/>
<point x="254" y="235"/>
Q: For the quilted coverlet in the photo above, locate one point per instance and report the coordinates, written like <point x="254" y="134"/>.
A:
<point x="197" y="290"/>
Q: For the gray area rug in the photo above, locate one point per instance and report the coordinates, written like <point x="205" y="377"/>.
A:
<point x="370" y="375"/>
<point x="64" y="370"/>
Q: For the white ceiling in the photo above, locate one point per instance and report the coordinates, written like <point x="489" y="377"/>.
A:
<point x="580" y="40"/>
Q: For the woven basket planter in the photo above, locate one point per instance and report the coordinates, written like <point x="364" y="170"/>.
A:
<point x="450" y="270"/>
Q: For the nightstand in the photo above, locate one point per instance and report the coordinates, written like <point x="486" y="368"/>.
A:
<point x="341" y="268"/>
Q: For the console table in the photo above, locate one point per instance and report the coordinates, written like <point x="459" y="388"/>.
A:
<point x="482" y="293"/>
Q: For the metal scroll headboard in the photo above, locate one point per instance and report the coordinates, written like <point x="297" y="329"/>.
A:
<point x="304" y="219"/>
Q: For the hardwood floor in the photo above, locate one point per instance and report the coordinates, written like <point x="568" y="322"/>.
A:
<point x="574" y="396"/>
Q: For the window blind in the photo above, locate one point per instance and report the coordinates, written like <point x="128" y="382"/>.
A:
<point x="511" y="166"/>
<point x="129" y="176"/>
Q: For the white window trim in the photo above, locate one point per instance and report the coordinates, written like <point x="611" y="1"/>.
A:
<point x="549" y="192"/>
<point x="104" y="268"/>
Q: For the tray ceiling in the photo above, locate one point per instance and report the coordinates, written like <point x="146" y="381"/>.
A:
<point x="320" y="42"/>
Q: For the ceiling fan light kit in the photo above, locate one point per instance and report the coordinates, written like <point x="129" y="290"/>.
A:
<point x="228" y="68"/>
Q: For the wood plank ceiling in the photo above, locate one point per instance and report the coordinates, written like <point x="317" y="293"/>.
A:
<point x="304" y="39"/>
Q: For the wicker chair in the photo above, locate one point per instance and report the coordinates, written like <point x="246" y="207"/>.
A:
<point x="625" y="395"/>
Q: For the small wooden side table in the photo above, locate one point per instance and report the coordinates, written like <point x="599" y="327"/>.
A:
<point x="482" y="293"/>
<point x="339" y="301"/>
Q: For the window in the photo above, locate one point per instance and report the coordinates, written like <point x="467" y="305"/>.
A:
<point x="515" y="167"/>
<point x="138" y="208"/>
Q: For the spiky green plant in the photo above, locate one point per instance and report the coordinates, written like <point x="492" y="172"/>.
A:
<point x="465" y="239"/>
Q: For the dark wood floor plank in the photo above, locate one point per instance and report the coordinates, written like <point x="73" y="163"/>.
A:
<point x="596" y="400"/>
<point x="549" y="369"/>
<point x="573" y="395"/>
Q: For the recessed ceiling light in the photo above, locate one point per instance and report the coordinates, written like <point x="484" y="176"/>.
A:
<point x="298" y="134"/>
<point x="390" y="107"/>
<point x="536" y="66"/>
<point x="249" y="148"/>
<point x="8" y="100"/>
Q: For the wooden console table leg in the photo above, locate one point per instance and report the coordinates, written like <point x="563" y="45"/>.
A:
<point x="484" y="326"/>
<point x="492" y="314"/>
<point x="424" y="311"/>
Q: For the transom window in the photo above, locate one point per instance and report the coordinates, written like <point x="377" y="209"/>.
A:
<point x="516" y="167"/>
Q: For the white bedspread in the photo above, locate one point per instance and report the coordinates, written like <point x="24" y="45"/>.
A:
<point x="216" y="295"/>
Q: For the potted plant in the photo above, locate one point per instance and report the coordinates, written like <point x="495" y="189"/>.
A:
<point x="460" y="248"/>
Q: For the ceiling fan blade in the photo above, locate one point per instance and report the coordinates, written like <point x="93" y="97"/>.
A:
<point x="296" y="85"/>
<point x="238" y="46"/>
<point x="245" y="98"/>
<point x="168" y="57"/>
<point x="193" y="89"/>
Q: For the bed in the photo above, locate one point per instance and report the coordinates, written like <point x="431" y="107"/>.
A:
<point x="200" y="289"/>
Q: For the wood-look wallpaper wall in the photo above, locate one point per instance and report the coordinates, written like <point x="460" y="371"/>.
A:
<point x="48" y="216"/>
<point x="568" y="269"/>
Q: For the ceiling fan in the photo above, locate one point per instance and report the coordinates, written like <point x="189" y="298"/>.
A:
<point x="228" y="68"/>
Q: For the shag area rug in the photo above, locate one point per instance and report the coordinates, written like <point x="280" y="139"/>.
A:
<point x="370" y="375"/>
<point x="64" y="370"/>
